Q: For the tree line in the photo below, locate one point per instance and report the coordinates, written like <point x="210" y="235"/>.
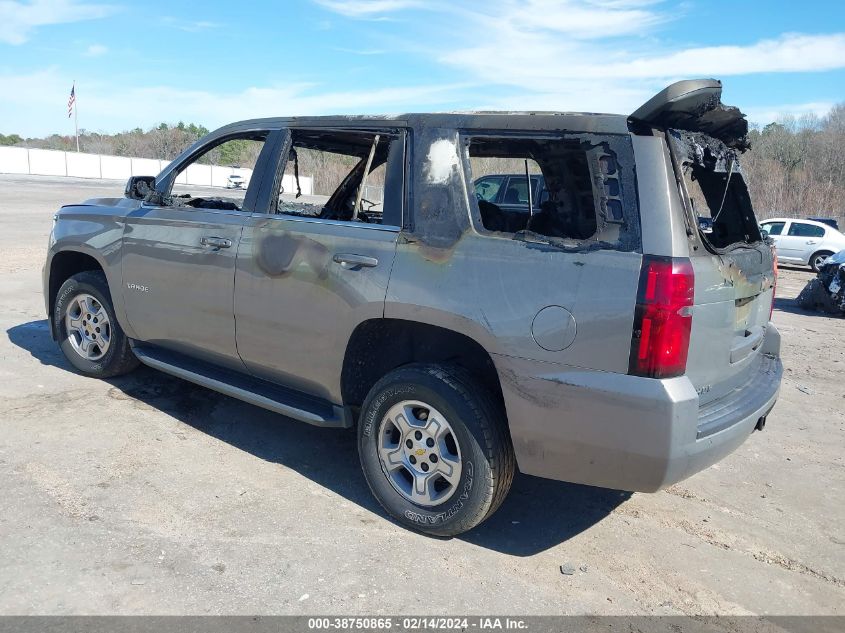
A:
<point x="795" y="167"/>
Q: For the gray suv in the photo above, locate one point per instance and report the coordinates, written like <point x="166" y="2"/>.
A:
<point x="599" y="338"/>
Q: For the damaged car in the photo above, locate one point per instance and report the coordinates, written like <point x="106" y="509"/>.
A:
<point x="826" y="292"/>
<point x="587" y="331"/>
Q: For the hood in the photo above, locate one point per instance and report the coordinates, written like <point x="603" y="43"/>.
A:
<point x="696" y="105"/>
<point x="108" y="202"/>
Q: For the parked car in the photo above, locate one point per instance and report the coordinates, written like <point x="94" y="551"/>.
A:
<point x="602" y="340"/>
<point x="826" y="291"/>
<point x="805" y="242"/>
<point x="829" y="221"/>
<point x="235" y="181"/>
<point x="511" y="193"/>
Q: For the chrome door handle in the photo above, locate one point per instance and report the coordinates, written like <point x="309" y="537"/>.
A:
<point x="812" y="242"/>
<point x="216" y="242"/>
<point x="351" y="260"/>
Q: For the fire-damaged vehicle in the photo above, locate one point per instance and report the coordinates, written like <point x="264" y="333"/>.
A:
<point x="601" y="338"/>
<point x="826" y="292"/>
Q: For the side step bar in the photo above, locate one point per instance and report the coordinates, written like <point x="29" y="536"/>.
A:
<point x="278" y="399"/>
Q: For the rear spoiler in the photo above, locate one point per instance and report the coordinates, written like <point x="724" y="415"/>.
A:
<point x="696" y="105"/>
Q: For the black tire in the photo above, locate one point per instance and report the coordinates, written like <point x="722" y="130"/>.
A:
<point x="118" y="359"/>
<point x="816" y="258"/>
<point x="478" y="424"/>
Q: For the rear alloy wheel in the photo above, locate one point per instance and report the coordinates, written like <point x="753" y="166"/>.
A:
<point x="419" y="453"/>
<point x="435" y="448"/>
<point x="88" y="332"/>
<point x="817" y="260"/>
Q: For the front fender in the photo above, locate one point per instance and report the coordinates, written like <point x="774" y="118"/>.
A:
<point x="95" y="233"/>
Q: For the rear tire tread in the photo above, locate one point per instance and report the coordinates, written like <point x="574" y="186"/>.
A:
<point x="495" y="438"/>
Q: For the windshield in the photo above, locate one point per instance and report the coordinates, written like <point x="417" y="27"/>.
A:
<point x="716" y="188"/>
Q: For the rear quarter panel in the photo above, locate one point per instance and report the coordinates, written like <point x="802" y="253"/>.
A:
<point x="491" y="287"/>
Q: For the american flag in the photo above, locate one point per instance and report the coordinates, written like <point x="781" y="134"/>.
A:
<point x="71" y="101"/>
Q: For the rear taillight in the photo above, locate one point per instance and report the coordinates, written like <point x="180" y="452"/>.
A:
<point x="663" y="318"/>
<point x="774" y="282"/>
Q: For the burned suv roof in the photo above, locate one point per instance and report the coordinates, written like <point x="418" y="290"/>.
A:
<point x="505" y="120"/>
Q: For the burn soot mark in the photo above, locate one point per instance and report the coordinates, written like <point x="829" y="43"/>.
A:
<point x="280" y="254"/>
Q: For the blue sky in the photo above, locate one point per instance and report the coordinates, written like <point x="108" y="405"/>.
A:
<point x="136" y="64"/>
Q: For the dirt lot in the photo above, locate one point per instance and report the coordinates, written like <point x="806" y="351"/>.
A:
<point x="146" y="494"/>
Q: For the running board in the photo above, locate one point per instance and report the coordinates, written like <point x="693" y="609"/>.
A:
<point x="261" y="393"/>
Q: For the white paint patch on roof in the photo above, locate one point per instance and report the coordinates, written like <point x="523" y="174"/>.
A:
<point x="442" y="159"/>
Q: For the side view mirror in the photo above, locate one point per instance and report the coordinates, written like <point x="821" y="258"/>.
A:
<point x="764" y="234"/>
<point x="139" y="187"/>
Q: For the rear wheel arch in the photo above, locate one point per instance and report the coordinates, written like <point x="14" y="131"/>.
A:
<point x="378" y="346"/>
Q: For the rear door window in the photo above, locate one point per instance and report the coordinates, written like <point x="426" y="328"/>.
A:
<point x="802" y="229"/>
<point x="588" y="194"/>
<point x="517" y="191"/>
<point x="343" y="175"/>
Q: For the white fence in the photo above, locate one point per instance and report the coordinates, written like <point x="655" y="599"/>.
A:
<point x="47" y="162"/>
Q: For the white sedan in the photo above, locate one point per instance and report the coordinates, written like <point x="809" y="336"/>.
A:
<point x="803" y="241"/>
<point x="235" y="181"/>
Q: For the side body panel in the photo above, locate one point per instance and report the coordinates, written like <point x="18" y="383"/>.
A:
<point x="178" y="291"/>
<point x="296" y="306"/>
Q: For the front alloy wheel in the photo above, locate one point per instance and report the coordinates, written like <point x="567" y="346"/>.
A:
<point x="88" y="328"/>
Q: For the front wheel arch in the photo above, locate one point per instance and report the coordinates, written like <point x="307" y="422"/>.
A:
<point x="64" y="265"/>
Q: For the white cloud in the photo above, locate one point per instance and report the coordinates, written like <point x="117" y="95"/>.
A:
<point x="36" y="104"/>
<point x="18" y="19"/>
<point x="532" y="59"/>
<point x="189" y="26"/>
<point x="365" y="8"/>
<point x="579" y="20"/>
<point x="95" y="50"/>
<point x="768" y="114"/>
<point x="538" y="44"/>
<point x="361" y="51"/>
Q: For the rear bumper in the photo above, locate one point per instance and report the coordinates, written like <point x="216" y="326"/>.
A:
<point x="626" y="432"/>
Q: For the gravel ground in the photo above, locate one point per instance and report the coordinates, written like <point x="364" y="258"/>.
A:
<point x="145" y="495"/>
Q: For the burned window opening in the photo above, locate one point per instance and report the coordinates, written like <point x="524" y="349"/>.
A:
<point x="576" y="187"/>
<point x="717" y="192"/>
<point x="354" y="176"/>
<point x="236" y="153"/>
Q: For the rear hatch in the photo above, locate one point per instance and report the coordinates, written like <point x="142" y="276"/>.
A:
<point x="733" y="265"/>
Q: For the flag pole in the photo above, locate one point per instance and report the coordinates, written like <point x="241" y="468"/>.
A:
<point x="76" y="115"/>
